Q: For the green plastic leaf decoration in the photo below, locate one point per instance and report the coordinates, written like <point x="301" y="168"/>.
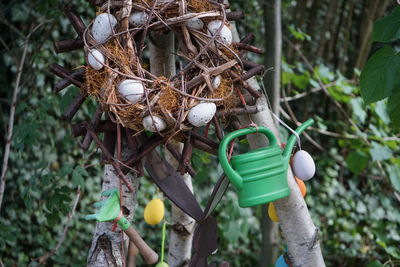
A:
<point x="380" y="77"/>
<point x="388" y="28"/>
<point x="394" y="109"/>
<point x="357" y="161"/>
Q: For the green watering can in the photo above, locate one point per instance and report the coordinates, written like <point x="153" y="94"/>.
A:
<point x="260" y="176"/>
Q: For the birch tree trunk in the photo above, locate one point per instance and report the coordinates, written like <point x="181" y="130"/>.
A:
<point x="298" y="229"/>
<point x="107" y="246"/>
<point x="162" y="62"/>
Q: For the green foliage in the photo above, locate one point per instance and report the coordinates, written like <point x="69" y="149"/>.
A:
<point x="379" y="78"/>
<point x="387" y="29"/>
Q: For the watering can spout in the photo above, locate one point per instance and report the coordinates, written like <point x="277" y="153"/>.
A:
<point x="292" y="140"/>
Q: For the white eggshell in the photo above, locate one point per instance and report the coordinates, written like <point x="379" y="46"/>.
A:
<point x="103" y="27"/>
<point x="137" y="19"/>
<point x="95" y="59"/>
<point x="195" y="24"/>
<point x="303" y="165"/>
<point x="216" y="82"/>
<point x="225" y="35"/>
<point x="159" y="124"/>
<point x="202" y="114"/>
<point x="213" y="26"/>
<point x="132" y="90"/>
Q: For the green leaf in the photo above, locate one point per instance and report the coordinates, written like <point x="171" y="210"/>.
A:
<point x="374" y="264"/>
<point x="394" y="176"/>
<point x="357" y="161"/>
<point x="382" y="111"/>
<point x="379" y="152"/>
<point x="77" y="176"/>
<point x="358" y="109"/>
<point x="380" y="77"/>
<point x="388" y="28"/>
<point x="394" y="109"/>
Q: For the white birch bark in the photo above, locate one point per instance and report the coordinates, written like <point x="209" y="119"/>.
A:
<point x="298" y="229"/>
<point x="106" y="249"/>
<point x="162" y="62"/>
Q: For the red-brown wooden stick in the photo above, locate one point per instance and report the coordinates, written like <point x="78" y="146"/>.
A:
<point x="235" y="15"/>
<point x="254" y="71"/>
<point x="248" y="47"/>
<point x="178" y="157"/>
<point x="247" y="64"/>
<point x="68" y="45"/>
<point x="75" y="20"/>
<point x="102" y="147"/>
<point x="71" y="110"/>
<point x="79" y="129"/>
<point x="74" y="76"/>
<point x="248" y="38"/>
<point x="93" y="124"/>
<point x="203" y="146"/>
<point x="64" y="73"/>
<point x="218" y="129"/>
<point x="204" y="140"/>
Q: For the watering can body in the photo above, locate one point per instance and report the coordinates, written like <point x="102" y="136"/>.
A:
<point x="260" y="175"/>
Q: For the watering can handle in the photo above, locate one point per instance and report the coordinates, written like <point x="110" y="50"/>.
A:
<point x="233" y="176"/>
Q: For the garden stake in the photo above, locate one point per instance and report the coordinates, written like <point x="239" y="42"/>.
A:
<point x="109" y="211"/>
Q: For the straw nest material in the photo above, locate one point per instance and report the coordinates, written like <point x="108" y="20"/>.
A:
<point x="204" y="58"/>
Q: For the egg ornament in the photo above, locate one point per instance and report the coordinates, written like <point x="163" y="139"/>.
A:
<point x="155" y="124"/>
<point x="202" y="114"/>
<point x="280" y="262"/>
<point x="272" y="213"/>
<point x="303" y="165"/>
<point x="195" y="24"/>
<point x="154" y="211"/>
<point x="302" y="186"/>
<point x="132" y="90"/>
<point x="103" y="26"/>
<point x="137" y="19"/>
<point x="225" y="34"/>
<point x="162" y="264"/>
<point x="96" y="59"/>
<point x="216" y="82"/>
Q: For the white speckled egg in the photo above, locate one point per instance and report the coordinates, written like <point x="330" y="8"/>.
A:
<point x="225" y="34"/>
<point x="195" y="24"/>
<point x="159" y="124"/>
<point x="103" y="27"/>
<point x="137" y="19"/>
<point x="303" y="165"/>
<point x="216" y="82"/>
<point x="132" y="90"/>
<point x="95" y="59"/>
<point x="213" y="26"/>
<point x="202" y="114"/>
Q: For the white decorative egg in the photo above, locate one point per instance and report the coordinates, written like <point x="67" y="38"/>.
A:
<point x="103" y="26"/>
<point x="225" y="34"/>
<point x="213" y="26"/>
<point x="202" y="114"/>
<point x="195" y="24"/>
<point x="154" y="124"/>
<point x="96" y="59"/>
<point x="216" y="82"/>
<point x="132" y="90"/>
<point x="303" y="165"/>
<point x="137" y="19"/>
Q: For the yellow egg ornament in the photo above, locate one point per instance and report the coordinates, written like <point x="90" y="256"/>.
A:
<point x="272" y="213"/>
<point x="154" y="211"/>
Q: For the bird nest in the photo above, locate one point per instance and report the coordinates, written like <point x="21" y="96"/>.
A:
<point x="211" y="74"/>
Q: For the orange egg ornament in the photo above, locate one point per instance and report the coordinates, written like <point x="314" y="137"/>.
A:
<point x="272" y="213"/>
<point x="302" y="186"/>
